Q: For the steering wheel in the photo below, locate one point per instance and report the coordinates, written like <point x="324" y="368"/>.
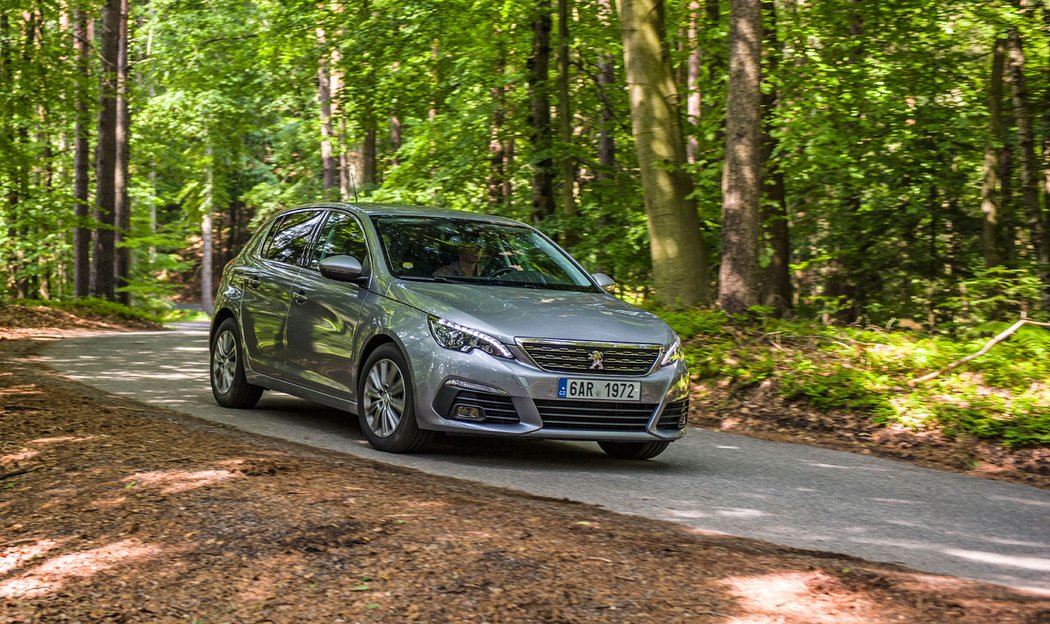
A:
<point x="502" y="271"/>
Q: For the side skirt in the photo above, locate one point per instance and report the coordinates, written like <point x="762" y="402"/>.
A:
<point x="302" y="392"/>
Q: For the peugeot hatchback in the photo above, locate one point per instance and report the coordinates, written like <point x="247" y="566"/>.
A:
<point x="423" y="321"/>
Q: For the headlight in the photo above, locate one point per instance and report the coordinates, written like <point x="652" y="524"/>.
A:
<point x="674" y="353"/>
<point x="459" y="338"/>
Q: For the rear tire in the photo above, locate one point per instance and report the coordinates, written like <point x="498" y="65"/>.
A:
<point x="229" y="385"/>
<point x="386" y="404"/>
<point x="633" y="450"/>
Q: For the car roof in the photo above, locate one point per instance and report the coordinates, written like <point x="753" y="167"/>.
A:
<point x="398" y="210"/>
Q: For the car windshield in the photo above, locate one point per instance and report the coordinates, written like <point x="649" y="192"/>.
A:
<point x="477" y="252"/>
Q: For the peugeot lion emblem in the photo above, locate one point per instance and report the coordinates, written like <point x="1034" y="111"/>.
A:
<point x="596" y="360"/>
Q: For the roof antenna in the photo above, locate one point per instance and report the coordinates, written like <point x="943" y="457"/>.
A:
<point x="353" y="184"/>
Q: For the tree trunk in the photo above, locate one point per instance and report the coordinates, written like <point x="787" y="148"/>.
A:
<point x="103" y="260"/>
<point x="497" y="145"/>
<point x="993" y="146"/>
<point x="692" y="83"/>
<point x="607" y="120"/>
<point x="540" y="114"/>
<point x="208" y="237"/>
<point x="568" y="168"/>
<point x="776" y="286"/>
<point x="122" y="131"/>
<point x="347" y="179"/>
<point x="1007" y="208"/>
<point x="1029" y="166"/>
<point x="742" y="177"/>
<point x="676" y="247"/>
<point x="82" y="160"/>
<point x="329" y="164"/>
<point x="395" y="137"/>
<point x="369" y="154"/>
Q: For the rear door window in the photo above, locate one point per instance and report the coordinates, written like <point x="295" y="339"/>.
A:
<point x="289" y="238"/>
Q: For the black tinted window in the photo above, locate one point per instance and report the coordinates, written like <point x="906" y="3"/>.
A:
<point x="290" y="236"/>
<point x="342" y="235"/>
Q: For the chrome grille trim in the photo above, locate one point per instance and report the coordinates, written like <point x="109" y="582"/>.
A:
<point x="570" y="356"/>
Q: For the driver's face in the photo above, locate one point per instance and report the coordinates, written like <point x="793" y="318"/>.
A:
<point x="470" y="254"/>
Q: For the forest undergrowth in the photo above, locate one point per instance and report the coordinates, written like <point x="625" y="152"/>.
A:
<point x="1003" y="396"/>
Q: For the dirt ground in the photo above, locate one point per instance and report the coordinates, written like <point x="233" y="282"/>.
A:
<point x="112" y="511"/>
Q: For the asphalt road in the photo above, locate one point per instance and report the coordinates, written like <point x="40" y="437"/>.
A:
<point x="789" y="494"/>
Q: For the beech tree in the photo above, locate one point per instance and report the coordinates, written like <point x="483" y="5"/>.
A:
<point x="676" y="247"/>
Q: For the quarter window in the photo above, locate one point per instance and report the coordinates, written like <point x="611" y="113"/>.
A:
<point x="290" y="236"/>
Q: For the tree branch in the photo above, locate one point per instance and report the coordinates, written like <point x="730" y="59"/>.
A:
<point x="991" y="343"/>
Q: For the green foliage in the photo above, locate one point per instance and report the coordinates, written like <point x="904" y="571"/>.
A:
<point x="881" y="120"/>
<point x="90" y="307"/>
<point x="1003" y="395"/>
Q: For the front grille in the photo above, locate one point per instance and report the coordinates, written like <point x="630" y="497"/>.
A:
<point x="595" y="415"/>
<point x="577" y="357"/>
<point x="498" y="409"/>
<point x="675" y="415"/>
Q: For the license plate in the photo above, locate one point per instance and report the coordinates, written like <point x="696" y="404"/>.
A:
<point x="597" y="389"/>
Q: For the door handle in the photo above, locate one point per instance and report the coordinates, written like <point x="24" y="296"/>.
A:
<point x="299" y="297"/>
<point x="249" y="278"/>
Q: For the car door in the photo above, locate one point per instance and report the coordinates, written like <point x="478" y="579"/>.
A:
<point x="326" y="314"/>
<point x="267" y="285"/>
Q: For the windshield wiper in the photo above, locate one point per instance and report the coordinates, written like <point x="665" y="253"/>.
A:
<point x="436" y="278"/>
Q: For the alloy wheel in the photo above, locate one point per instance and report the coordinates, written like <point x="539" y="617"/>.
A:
<point x="384" y="398"/>
<point x="224" y="361"/>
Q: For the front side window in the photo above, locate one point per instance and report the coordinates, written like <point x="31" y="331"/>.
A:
<point x="290" y="236"/>
<point x="467" y="250"/>
<point x="341" y="235"/>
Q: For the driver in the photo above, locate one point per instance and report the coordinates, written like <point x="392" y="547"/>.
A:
<point x="466" y="263"/>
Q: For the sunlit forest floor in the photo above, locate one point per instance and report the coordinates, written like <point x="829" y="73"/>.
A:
<point x="114" y="511"/>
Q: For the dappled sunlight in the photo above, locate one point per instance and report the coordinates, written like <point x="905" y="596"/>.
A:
<point x="109" y="503"/>
<point x="798" y="598"/>
<point x="841" y="467"/>
<point x="1023" y="501"/>
<point x="175" y="481"/>
<point x="426" y="504"/>
<point x="23" y="390"/>
<point x="1041" y="564"/>
<point x="63" y="439"/>
<point x="53" y="574"/>
<point x="724" y="512"/>
<point x="17" y="556"/>
<point x="17" y="457"/>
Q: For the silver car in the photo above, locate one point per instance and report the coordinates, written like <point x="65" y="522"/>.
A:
<point x="423" y="321"/>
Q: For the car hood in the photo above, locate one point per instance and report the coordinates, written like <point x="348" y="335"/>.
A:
<point x="507" y="313"/>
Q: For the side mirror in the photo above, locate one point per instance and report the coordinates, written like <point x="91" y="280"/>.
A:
<point x="605" y="282"/>
<point x="341" y="268"/>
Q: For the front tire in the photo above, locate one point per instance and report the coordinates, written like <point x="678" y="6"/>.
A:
<point x="386" y="404"/>
<point x="633" y="450"/>
<point x="229" y="385"/>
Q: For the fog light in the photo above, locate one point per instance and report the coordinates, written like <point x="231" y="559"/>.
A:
<point x="468" y="412"/>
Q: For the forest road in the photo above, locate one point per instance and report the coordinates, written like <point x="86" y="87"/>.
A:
<point x="790" y="494"/>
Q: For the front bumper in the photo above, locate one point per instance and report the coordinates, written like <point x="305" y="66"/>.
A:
<point x="516" y="398"/>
